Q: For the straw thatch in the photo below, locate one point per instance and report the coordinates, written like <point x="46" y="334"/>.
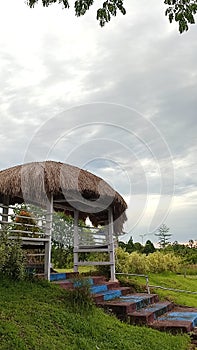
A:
<point x="71" y="188"/>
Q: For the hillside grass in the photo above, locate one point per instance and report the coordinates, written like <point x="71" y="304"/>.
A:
<point x="169" y="280"/>
<point x="39" y="316"/>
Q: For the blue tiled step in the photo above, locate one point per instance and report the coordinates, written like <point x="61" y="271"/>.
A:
<point x="184" y="319"/>
<point x="139" y="301"/>
<point x="60" y="276"/>
<point x="139" y="308"/>
<point x="181" y="316"/>
<point x="109" y="294"/>
<point x="71" y="276"/>
<point x="150" y="313"/>
<point x="99" y="288"/>
<point x="126" y="304"/>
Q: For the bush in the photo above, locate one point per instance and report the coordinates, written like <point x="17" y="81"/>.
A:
<point x="159" y="262"/>
<point x="122" y="260"/>
<point x="62" y="257"/>
<point x="140" y="263"/>
<point x="137" y="263"/>
<point x="130" y="263"/>
<point x="12" y="259"/>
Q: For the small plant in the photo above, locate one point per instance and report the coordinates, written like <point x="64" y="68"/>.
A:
<point x="80" y="297"/>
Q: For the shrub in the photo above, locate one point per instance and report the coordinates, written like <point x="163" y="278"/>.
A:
<point x="130" y="263"/>
<point x="12" y="259"/>
<point x="140" y="263"/>
<point x="122" y="260"/>
<point x="159" y="262"/>
<point x="137" y="263"/>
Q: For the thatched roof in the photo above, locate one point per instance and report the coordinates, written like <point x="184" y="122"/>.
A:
<point x="71" y="188"/>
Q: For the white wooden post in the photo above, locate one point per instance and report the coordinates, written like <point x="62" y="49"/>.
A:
<point x="111" y="244"/>
<point x="76" y="240"/>
<point x="5" y="209"/>
<point x="49" y="220"/>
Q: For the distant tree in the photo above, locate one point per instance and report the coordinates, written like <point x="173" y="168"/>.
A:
<point x="191" y="243"/>
<point x="163" y="235"/>
<point x="175" y="243"/>
<point x="149" y="247"/>
<point x="122" y="245"/>
<point x="130" y="245"/>
<point x="138" y="247"/>
<point x="181" y="11"/>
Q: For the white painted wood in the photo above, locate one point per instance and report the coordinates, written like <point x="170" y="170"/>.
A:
<point x="93" y="263"/>
<point x="30" y="239"/>
<point x="111" y="244"/>
<point x="92" y="250"/>
<point x="76" y="240"/>
<point x="48" y="231"/>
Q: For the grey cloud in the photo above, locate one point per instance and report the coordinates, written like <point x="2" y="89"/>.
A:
<point x="138" y="63"/>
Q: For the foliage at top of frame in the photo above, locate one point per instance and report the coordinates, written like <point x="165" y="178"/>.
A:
<point x="181" y="11"/>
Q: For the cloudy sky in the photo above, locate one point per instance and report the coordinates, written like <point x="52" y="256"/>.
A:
<point x="119" y="101"/>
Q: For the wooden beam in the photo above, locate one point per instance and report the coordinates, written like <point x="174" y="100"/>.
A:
<point x="111" y="244"/>
<point x="48" y="232"/>
<point x="76" y="240"/>
<point x="88" y="204"/>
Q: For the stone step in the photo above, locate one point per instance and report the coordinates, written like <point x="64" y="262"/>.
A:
<point x="128" y="303"/>
<point x="110" y="294"/>
<point x="150" y="313"/>
<point x="136" y="308"/>
<point x="181" y="319"/>
<point x="64" y="284"/>
<point x="62" y="280"/>
<point x="72" y="277"/>
<point x="58" y="276"/>
<point x="99" y="288"/>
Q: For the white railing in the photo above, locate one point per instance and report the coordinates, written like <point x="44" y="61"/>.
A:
<point x="148" y="286"/>
<point x="137" y="275"/>
<point x="173" y="290"/>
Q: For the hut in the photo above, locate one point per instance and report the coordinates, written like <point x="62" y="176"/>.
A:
<point x="55" y="186"/>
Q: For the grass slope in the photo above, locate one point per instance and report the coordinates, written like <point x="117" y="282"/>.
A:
<point x="39" y="316"/>
<point x="172" y="280"/>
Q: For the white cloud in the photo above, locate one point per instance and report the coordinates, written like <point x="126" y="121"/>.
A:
<point x="50" y="61"/>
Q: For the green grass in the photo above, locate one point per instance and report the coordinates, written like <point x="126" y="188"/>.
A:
<point x="188" y="269"/>
<point x="39" y="316"/>
<point x="82" y="269"/>
<point x="171" y="280"/>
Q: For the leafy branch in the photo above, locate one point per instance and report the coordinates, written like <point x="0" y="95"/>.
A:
<point x="181" y="11"/>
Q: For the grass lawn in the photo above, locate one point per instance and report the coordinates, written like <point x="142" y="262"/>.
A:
<point x="172" y="280"/>
<point x="39" y="316"/>
<point x="82" y="269"/>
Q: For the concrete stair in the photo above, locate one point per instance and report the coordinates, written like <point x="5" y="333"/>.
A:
<point x="180" y="318"/>
<point x="101" y="289"/>
<point x="134" y="308"/>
